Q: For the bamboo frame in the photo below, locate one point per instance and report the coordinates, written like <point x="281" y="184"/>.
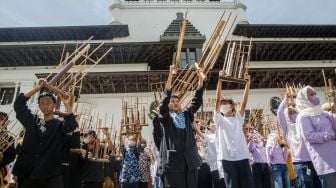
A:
<point x="208" y="57"/>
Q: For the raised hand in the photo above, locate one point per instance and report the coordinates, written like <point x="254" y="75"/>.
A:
<point x="36" y="89"/>
<point x="106" y="132"/>
<point x="247" y="77"/>
<point x="40" y="84"/>
<point x="66" y="101"/>
<point x="221" y="74"/>
<point x="200" y="74"/>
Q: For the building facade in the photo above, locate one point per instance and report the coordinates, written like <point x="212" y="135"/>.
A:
<point x="144" y="34"/>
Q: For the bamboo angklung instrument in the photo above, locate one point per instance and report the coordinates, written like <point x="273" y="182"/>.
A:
<point x="236" y="63"/>
<point x="189" y="77"/>
<point x="180" y="43"/>
<point x="78" y="74"/>
<point x="209" y="55"/>
<point x="63" y="62"/>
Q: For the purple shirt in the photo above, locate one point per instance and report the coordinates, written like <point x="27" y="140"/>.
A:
<point x="299" y="150"/>
<point x="319" y="137"/>
<point x="258" y="153"/>
<point x="276" y="155"/>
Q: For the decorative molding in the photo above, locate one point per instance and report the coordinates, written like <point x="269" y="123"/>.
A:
<point x="176" y="4"/>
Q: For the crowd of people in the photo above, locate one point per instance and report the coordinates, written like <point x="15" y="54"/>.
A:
<point x="184" y="153"/>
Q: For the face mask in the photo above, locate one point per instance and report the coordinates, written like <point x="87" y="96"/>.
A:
<point x="292" y="117"/>
<point x="226" y="108"/>
<point x="315" y="100"/>
<point x="86" y="140"/>
<point x="131" y="143"/>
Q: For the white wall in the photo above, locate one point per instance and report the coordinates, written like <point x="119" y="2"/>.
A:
<point x="147" y="22"/>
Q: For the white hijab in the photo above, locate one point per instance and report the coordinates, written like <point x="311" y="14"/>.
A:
<point x="304" y="106"/>
<point x="292" y="133"/>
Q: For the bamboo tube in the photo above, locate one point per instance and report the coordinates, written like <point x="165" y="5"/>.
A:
<point x="126" y="115"/>
<point x="132" y="116"/>
<point x="137" y="109"/>
<point x="226" y="56"/>
<point x="231" y="60"/>
<point x="71" y="55"/>
<point x="180" y="44"/>
<point x="55" y="89"/>
<point x="214" y="37"/>
<point x="202" y="74"/>
<point x="67" y="84"/>
<point x="58" y="76"/>
<point x="241" y="68"/>
<point x="69" y="65"/>
<point x="144" y="115"/>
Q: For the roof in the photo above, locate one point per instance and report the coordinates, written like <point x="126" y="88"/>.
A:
<point x="155" y="53"/>
<point x="63" y="33"/>
<point x="285" y="31"/>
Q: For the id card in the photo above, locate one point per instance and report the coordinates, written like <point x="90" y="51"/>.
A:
<point x="308" y="172"/>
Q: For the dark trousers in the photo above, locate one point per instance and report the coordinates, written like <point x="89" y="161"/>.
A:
<point x="261" y="175"/>
<point x="186" y="179"/>
<point x="328" y="180"/>
<point x="52" y="182"/>
<point x="222" y="183"/>
<point x="180" y="179"/>
<point x="237" y="174"/>
<point x="130" y="185"/>
<point x="20" y="182"/>
<point x="216" y="182"/>
<point x="92" y="185"/>
<point x="204" y="176"/>
<point x="306" y="175"/>
<point x="143" y="185"/>
<point x="66" y="176"/>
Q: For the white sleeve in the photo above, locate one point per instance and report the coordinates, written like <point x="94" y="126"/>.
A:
<point x="241" y="118"/>
<point x="216" y="117"/>
<point x="205" y="139"/>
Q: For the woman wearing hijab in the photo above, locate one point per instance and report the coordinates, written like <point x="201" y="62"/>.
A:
<point x="317" y="129"/>
<point x="303" y="166"/>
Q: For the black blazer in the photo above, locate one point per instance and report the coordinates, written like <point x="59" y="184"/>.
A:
<point x="175" y="152"/>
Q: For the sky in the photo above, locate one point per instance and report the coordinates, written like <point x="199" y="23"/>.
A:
<point x="30" y="13"/>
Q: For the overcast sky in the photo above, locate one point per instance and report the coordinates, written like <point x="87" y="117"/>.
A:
<point x="20" y="13"/>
